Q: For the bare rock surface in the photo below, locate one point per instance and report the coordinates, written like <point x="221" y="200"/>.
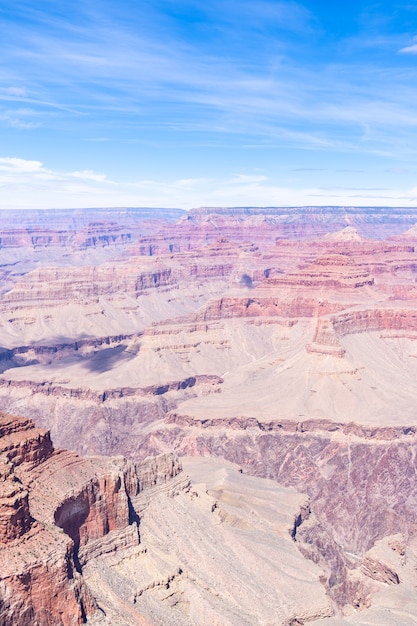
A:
<point x="394" y="599"/>
<point x="58" y="512"/>
<point x="220" y="552"/>
<point x="72" y="550"/>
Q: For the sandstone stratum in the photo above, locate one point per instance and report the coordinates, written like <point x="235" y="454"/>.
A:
<point x="235" y="391"/>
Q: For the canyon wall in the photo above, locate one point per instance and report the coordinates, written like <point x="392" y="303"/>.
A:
<point x="360" y="482"/>
<point x="281" y="340"/>
<point x="57" y="512"/>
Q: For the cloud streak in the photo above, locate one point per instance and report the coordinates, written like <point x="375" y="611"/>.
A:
<point x="412" y="49"/>
<point x="120" y="77"/>
<point x="26" y="183"/>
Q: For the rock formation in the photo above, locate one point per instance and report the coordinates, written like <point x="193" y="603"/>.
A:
<point x="58" y="512"/>
<point x="72" y="551"/>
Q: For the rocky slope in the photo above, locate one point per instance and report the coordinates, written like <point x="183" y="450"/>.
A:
<point x="361" y="482"/>
<point x="58" y="512"/>
<point x="107" y="541"/>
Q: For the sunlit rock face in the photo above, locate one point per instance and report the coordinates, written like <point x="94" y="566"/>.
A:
<point x="280" y="340"/>
<point x="59" y="512"/>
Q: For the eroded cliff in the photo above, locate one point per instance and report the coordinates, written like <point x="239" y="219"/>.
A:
<point x="57" y="512"/>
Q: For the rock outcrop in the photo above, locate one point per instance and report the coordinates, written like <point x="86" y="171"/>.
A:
<point x="57" y="513"/>
<point x="71" y="551"/>
<point x="360" y="485"/>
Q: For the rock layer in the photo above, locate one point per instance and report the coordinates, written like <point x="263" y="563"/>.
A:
<point x="44" y="491"/>
<point x="281" y="340"/>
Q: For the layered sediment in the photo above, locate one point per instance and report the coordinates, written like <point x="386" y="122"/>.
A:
<point x="281" y="340"/>
<point x="57" y="512"/>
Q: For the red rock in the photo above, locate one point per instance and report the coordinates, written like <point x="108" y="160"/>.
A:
<point x="43" y="491"/>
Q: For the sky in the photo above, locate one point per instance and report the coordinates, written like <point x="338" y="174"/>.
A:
<point x="187" y="103"/>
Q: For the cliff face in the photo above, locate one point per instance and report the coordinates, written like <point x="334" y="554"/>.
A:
<point x="55" y="285"/>
<point x="360" y="481"/>
<point x="71" y="552"/>
<point x="39" y="577"/>
<point x="79" y="229"/>
<point x="266" y="306"/>
<point x="57" y="512"/>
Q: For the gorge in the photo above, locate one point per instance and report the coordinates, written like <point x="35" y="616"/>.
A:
<point x="228" y="387"/>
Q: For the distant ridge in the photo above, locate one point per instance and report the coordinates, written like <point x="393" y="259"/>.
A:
<point x="281" y="210"/>
<point x="315" y="221"/>
<point x="302" y="222"/>
<point x="81" y="217"/>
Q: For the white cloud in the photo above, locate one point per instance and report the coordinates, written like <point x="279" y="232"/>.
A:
<point x="410" y="49"/>
<point x="15" y="165"/>
<point x="29" y="184"/>
<point x="247" y="179"/>
<point x="90" y="175"/>
<point x="26" y="183"/>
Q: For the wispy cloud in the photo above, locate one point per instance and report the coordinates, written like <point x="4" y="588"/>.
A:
<point x="244" y="179"/>
<point x="412" y="49"/>
<point x="122" y="77"/>
<point x="352" y="171"/>
<point x="17" y="92"/>
<point x="175" y="97"/>
<point x="29" y="183"/>
<point x="17" y="166"/>
<point x="22" y="118"/>
<point x="90" y="175"/>
<point x="409" y="49"/>
<point x="191" y="182"/>
<point x="16" y="170"/>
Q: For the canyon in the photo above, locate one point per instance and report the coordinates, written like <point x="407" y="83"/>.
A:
<point x="233" y="387"/>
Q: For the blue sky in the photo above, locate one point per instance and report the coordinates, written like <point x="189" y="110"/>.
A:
<point x="207" y="103"/>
